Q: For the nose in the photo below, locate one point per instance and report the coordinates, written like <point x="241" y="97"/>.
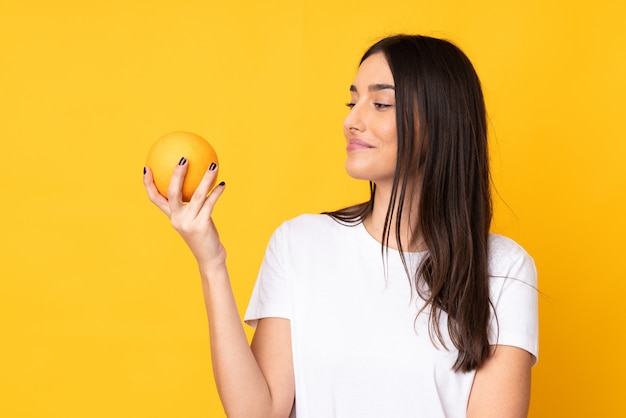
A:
<point x="354" y="120"/>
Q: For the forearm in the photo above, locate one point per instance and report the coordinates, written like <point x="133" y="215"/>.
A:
<point x="243" y="389"/>
<point x="241" y="385"/>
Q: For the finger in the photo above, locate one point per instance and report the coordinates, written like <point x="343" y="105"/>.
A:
<point x="211" y="200"/>
<point x="153" y="194"/>
<point x="201" y="192"/>
<point x="175" y="188"/>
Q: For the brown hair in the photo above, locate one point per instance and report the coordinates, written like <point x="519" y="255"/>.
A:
<point x="442" y="130"/>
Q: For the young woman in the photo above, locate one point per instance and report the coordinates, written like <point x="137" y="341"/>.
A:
<point x="403" y="306"/>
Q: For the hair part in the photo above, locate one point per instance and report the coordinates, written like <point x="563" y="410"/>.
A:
<point x="442" y="131"/>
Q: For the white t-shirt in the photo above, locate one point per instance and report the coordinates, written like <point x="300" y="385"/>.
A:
<point x="358" y="349"/>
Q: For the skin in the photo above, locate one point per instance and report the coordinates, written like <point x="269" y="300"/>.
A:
<point x="372" y="145"/>
<point x="252" y="380"/>
<point x="502" y="385"/>
<point x="370" y="126"/>
<point x="257" y="380"/>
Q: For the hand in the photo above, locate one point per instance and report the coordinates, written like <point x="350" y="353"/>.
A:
<point x="192" y="220"/>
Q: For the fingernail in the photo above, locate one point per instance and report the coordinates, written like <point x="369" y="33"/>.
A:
<point x="144" y="170"/>
<point x="212" y="166"/>
<point x="182" y="161"/>
<point x="222" y="184"/>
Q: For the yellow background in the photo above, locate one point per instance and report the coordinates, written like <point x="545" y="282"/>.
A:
<point x="101" y="312"/>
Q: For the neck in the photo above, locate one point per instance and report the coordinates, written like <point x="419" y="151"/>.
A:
<point x="410" y="234"/>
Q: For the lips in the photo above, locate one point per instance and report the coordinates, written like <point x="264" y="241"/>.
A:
<point x="355" y="144"/>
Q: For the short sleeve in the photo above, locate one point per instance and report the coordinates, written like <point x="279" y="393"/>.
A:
<point x="514" y="295"/>
<point x="271" y="295"/>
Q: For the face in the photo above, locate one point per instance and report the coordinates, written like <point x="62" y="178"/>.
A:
<point x="370" y="127"/>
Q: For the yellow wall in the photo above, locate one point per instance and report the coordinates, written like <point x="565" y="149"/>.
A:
<point x="101" y="311"/>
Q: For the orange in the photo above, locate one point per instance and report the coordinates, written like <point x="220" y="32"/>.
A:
<point x="167" y="151"/>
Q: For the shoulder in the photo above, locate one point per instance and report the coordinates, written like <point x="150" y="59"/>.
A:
<point x="309" y="237"/>
<point x="509" y="259"/>
<point x="313" y="232"/>
<point x="513" y="295"/>
<point x="501" y="246"/>
<point x="310" y="220"/>
<point x="308" y="224"/>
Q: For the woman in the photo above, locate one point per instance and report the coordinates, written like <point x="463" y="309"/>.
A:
<point x="443" y="323"/>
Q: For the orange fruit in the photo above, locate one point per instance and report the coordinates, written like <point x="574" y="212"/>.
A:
<point x="167" y="151"/>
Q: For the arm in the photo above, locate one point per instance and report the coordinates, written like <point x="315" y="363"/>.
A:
<point x="502" y="385"/>
<point x="254" y="380"/>
<point x="250" y="383"/>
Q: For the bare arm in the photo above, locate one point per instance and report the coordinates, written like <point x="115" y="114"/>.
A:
<point x="502" y="385"/>
<point x="248" y="387"/>
<point x="252" y="381"/>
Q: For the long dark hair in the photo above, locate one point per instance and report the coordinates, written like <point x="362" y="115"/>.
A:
<point x="442" y="130"/>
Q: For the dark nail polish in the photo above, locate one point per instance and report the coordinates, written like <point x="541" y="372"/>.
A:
<point x="222" y="184"/>
<point x="144" y="170"/>
<point x="212" y="166"/>
<point x="182" y="161"/>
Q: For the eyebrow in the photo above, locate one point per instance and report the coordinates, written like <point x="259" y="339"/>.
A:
<point x="375" y="87"/>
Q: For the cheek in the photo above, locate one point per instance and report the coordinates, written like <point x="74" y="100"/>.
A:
<point x="387" y="129"/>
<point x="390" y="150"/>
<point x="389" y="136"/>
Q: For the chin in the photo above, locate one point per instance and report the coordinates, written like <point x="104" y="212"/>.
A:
<point x="358" y="173"/>
<point x="369" y="171"/>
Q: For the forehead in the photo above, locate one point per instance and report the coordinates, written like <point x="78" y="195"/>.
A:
<point x="373" y="70"/>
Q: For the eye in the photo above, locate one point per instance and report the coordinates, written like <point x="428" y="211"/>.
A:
<point x="382" y="106"/>
<point x="350" y="105"/>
